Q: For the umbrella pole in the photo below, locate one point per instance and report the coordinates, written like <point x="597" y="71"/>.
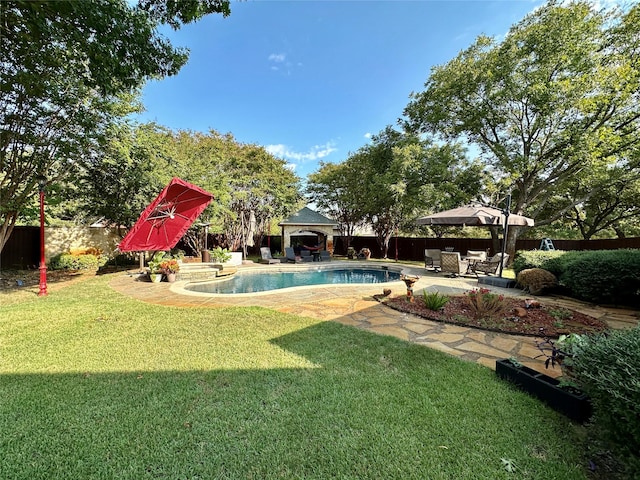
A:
<point x="505" y="230"/>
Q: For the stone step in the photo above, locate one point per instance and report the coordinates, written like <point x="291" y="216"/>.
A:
<point x="203" y="271"/>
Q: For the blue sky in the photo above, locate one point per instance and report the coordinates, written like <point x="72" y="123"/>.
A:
<point x="312" y="80"/>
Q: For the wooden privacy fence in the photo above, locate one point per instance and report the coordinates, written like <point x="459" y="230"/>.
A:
<point x="413" y="248"/>
<point x="23" y="247"/>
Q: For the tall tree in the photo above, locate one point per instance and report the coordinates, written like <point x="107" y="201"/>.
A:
<point x="67" y="69"/>
<point x="246" y="181"/>
<point x="557" y="99"/>
<point x="614" y="206"/>
<point x="126" y="174"/>
<point x="263" y="189"/>
<point x="336" y="190"/>
<point x="403" y="175"/>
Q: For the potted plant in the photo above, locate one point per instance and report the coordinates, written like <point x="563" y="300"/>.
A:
<point x="170" y="267"/>
<point x="351" y="253"/>
<point x="220" y="255"/>
<point x="155" y="268"/>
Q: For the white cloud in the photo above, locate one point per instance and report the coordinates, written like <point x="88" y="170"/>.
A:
<point x="315" y="153"/>
<point x="277" y="57"/>
<point x="368" y="136"/>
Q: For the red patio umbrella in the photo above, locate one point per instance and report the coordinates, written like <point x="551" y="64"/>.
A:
<point x="163" y="223"/>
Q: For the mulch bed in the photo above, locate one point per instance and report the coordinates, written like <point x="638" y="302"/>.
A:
<point x="541" y="321"/>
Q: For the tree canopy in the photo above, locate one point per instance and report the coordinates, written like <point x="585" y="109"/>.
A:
<point x="390" y="181"/>
<point x="246" y="181"/>
<point x="68" y="71"/>
<point x="555" y="101"/>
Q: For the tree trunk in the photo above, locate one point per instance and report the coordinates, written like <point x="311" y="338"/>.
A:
<point x="496" y="240"/>
<point x="512" y="236"/>
<point x="7" y="228"/>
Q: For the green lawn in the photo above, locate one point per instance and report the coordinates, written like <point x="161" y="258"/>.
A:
<point x="96" y="385"/>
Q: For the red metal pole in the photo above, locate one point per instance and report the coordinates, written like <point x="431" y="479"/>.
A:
<point x="43" y="266"/>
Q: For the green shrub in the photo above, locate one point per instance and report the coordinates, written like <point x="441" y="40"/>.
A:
<point x="156" y="260"/>
<point x="526" y="259"/>
<point x="603" y="276"/>
<point x="69" y="261"/>
<point x="536" y="280"/>
<point x="560" y="264"/>
<point x="220" y="255"/>
<point x="599" y="276"/>
<point x="608" y="369"/>
<point x="434" y="300"/>
<point x="123" y="259"/>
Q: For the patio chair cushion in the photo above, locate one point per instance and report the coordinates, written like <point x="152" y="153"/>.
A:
<point x="491" y="266"/>
<point x="451" y="263"/>
<point x="265" y="253"/>
<point x="306" y="256"/>
<point x="479" y="255"/>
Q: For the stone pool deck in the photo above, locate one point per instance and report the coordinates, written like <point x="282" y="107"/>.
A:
<point x="355" y="306"/>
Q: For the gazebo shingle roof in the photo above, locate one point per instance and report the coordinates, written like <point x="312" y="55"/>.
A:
<point x="306" y="216"/>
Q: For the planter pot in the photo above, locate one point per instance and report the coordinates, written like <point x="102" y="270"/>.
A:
<point x="571" y="403"/>
<point x="171" y="277"/>
<point x="155" y="277"/>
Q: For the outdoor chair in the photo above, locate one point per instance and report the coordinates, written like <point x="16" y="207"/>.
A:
<point x="490" y="266"/>
<point x="432" y="259"/>
<point x="325" y="256"/>
<point x="477" y="255"/>
<point x="291" y="256"/>
<point x="306" y="256"/>
<point x="450" y="262"/>
<point x="265" y="253"/>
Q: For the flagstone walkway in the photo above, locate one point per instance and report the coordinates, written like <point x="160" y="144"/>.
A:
<point x="354" y="305"/>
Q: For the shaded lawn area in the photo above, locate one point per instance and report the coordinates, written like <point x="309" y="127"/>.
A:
<point x="97" y="385"/>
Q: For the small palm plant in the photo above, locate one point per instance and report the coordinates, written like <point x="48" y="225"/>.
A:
<point x="434" y="300"/>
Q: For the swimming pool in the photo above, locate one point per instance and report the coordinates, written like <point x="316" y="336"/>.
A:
<point x="262" y="282"/>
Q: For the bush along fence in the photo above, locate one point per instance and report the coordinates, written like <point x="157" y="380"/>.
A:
<point x="609" y="277"/>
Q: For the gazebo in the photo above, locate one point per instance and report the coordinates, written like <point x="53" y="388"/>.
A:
<point x="305" y="226"/>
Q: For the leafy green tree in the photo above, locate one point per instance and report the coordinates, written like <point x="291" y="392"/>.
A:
<point x="614" y="206"/>
<point x="336" y="190"/>
<point x="67" y="70"/>
<point x="245" y="180"/>
<point x="553" y="102"/>
<point x="263" y="189"/>
<point x="402" y="175"/>
<point x="126" y="174"/>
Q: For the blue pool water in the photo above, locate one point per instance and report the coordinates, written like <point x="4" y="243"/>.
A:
<point x="262" y="282"/>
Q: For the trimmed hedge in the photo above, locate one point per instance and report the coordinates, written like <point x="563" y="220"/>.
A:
<point x="70" y="261"/>
<point x="604" y="276"/>
<point x="607" y="367"/>
<point x="525" y="260"/>
<point x="599" y="276"/>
